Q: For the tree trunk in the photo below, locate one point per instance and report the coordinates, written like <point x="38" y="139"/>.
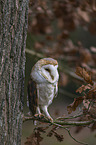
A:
<point x="13" y="27"/>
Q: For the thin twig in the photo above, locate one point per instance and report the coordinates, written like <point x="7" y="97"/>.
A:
<point x="27" y="118"/>
<point x="74" y="138"/>
<point x="32" y="52"/>
<point x="70" y="117"/>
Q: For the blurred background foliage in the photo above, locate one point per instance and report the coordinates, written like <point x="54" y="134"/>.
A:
<point x="64" y="30"/>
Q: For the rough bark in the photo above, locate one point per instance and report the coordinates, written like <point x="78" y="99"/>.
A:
<point x="13" y="29"/>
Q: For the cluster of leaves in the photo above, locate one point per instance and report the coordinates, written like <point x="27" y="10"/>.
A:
<point x="88" y="98"/>
<point x="36" y="137"/>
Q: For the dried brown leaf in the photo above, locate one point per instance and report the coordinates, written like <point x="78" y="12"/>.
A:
<point x="83" y="88"/>
<point x="31" y="140"/>
<point x="39" y="138"/>
<point x="84" y="74"/>
<point x="74" y="105"/>
<point x="42" y="129"/>
<point x="59" y="137"/>
<point x="34" y="139"/>
<point x="91" y="94"/>
<point x="50" y="134"/>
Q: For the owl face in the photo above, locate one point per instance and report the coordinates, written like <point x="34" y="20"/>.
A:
<point x="45" y="70"/>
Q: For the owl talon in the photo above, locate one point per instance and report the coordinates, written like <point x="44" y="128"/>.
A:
<point x="42" y="116"/>
<point x="39" y="115"/>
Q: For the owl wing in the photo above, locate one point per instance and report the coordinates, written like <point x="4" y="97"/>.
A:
<point x="32" y="96"/>
<point x="56" y="90"/>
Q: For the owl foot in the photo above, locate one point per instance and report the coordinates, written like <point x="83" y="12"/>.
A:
<point x="43" y="117"/>
<point x="39" y="116"/>
<point x="50" y="119"/>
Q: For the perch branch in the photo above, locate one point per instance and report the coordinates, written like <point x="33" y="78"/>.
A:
<point x="70" y="123"/>
<point x="70" y="117"/>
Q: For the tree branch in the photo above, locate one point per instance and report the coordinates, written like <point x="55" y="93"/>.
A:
<point x="75" y="123"/>
<point x="57" y="123"/>
<point x="32" y="52"/>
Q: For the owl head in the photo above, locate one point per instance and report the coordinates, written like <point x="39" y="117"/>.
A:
<point x="45" y="70"/>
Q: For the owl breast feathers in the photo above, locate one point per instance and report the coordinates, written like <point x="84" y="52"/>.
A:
<point x="43" y="86"/>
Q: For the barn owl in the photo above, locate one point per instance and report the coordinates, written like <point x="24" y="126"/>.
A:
<point x="43" y="86"/>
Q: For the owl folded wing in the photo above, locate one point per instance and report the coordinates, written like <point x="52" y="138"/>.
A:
<point x="56" y="90"/>
<point x="32" y="96"/>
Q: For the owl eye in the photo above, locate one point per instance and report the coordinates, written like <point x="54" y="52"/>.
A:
<point x="48" y="70"/>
